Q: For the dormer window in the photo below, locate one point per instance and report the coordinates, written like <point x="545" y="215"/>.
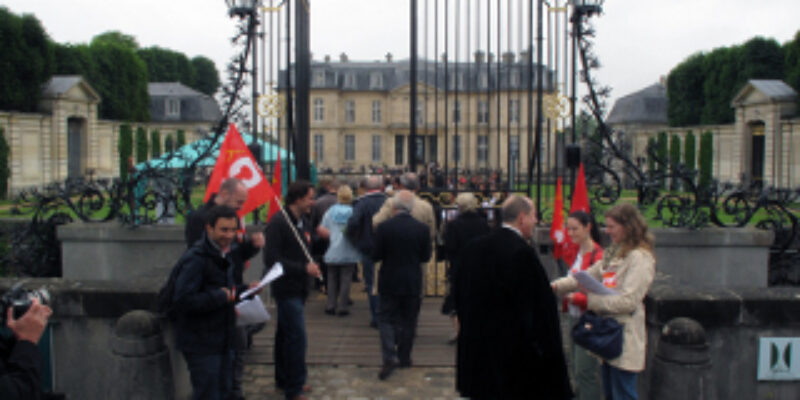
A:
<point x="349" y="80"/>
<point x="376" y="80"/>
<point x="173" y="108"/>
<point x="514" y="79"/>
<point x="483" y="80"/>
<point x="319" y="78"/>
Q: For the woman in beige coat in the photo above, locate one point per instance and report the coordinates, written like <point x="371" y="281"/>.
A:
<point x="628" y="267"/>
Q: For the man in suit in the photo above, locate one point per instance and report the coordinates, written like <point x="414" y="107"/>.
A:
<point x="509" y="345"/>
<point x="401" y="244"/>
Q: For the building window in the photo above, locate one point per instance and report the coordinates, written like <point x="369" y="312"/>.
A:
<point x="349" y="81"/>
<point x="483" y="112"/>
<point x="457" y="148"/>
<point x="173" y="108"/>
<point x="350" y="111"/>
<point x="376" y="111"/>
<point x="319" y="144"/>
<point x="456" y="112"/>
<point x="399" y="146"/>
<point x="376" y="80"/>
<point x="319" y="78"/>
<point x="483" y="148"/>
<point x="420" y="118"/>
<point x="420" y="149"/>
<point x="514" y="79"/>
<point x="349" y="147"/>
<point x="433" y="148"/>
<point x="483" y="80"/>
<point x="513" y="146"/>
<point x="319" y="109"/>
<point x="513" y="111"/>
<point x="376" y="148"/>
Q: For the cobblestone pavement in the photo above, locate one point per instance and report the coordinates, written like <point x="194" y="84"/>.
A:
<point x="353" y="382"/>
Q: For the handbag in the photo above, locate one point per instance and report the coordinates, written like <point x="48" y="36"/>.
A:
<point x="600" y="335"/>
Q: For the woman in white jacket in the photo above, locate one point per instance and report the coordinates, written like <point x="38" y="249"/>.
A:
<point x="628" y="267"/>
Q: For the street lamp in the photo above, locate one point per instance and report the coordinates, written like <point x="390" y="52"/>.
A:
<point x="249" y="9"/>
<point x="580" y="9"/>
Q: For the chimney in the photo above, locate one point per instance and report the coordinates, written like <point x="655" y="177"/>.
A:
<point x="523" y="56"/>
<point x="388" y="57"/>
<point x="444" y="57"/>
<point x="491" y="57"/>
<point x="662" y="80"/>
<point x="327" y="58"/>
<point x="343" y="57"/>
<point x="479" y="56"/>
<point x="508" y="57"/>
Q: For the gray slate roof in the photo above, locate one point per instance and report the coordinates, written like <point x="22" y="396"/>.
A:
<point x="172" y="89"/>
<point x="397" y="74"/>
<point x="60" y="84"/>
<point x="774" y="89"/>
<point x="648" y="105"/>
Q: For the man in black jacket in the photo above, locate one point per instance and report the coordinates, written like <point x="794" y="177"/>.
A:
<point x="401" y="243"/>
<point x="509" y="345"/>
<point x="205" y="294"/>
<point x="291" y="289"/>
<point x="20" y="361"/>
<point x="359" y="231"/>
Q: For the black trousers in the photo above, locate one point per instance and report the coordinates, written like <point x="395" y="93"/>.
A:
<point x="398" y="326"/>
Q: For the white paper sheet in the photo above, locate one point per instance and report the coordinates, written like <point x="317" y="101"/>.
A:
<point x="274" y="273"/>
<point x="251" y="311"/>
<point x="591" y="284"/>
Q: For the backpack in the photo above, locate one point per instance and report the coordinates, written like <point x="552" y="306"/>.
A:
<point x="165" y="298"/>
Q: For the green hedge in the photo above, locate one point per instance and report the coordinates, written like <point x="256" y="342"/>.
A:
<point x="141" y="145"/>
<point x="689" y="152"/>
<point x="125" y="149"/>
<point x="706" y="159"/>
<point x="155" y="143"/>
<point x="5" y="171"/>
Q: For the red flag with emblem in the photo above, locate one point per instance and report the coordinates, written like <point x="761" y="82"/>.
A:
<point x="236" y="161"/>
<point x="274" y="203"/>
<point x="558" y="230"/>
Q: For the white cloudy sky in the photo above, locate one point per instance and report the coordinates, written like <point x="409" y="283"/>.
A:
<point x="637" y="40"/>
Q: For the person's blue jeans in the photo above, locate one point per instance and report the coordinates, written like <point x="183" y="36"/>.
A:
<point x="211" y="375"/>
<point x="290" y="347"/>
<point x="619" y="384"/>
<point x="369" y="281"/>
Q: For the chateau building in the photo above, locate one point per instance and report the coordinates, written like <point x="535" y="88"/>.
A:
<point x="762" y="145"/>
<point x="66" y="138"/>
<point x="472" y="115"/>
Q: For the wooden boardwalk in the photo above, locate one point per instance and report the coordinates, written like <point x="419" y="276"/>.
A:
<point x="334" y="340"/>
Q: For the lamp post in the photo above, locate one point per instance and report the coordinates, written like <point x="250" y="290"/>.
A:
<point x="580" y="9"/>
<point x="249" y="9"/>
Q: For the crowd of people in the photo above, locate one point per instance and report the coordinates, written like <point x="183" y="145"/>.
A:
<point x="504" y="308"/>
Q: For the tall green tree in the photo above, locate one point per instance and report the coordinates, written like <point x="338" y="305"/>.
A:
<point x="689" y="152"/>
<point x="120" y="77"/>
<point x="684" y="100"/>
<point x="706" y="160"/>
<point x="141" y="145"/>
<point x="5" y="171"/>
<point x="206" y="76"/>
<point x="116" y="38"/>
<point x="125" y="149"/>
<point x="169" y="144"/>
<point x="73" y="59"/>
<point x="164" y="65"/>
<point x="26" y="61"/>
<point x="155" y="143"/>
<point x="720" y="68"/>
<point x="662" y="153"/>
<point x="651" y="162"/>
<point x="791" y="62"/>
<point x="181" y="139"/>
<point x="675" y="158"/>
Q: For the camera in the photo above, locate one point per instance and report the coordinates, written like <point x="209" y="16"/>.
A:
<point x="19" y="300"/>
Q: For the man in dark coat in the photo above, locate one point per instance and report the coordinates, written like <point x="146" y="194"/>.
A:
<point x="205" y="294"/>
<point x="20" y="361"/>
<point x="360" y="232"/>
<point x="401" y="243"/>
<point x="509" y="345"/>
<point x="291" y="289"/>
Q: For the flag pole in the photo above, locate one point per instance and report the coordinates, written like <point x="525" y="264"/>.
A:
<point x="294" y="231"/>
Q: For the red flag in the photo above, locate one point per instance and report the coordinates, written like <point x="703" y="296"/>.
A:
<point x="558" y="230"/>
<point x="580" y="196"/>
<point x="236" y="161"/>
<point x="274" y="203"/>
